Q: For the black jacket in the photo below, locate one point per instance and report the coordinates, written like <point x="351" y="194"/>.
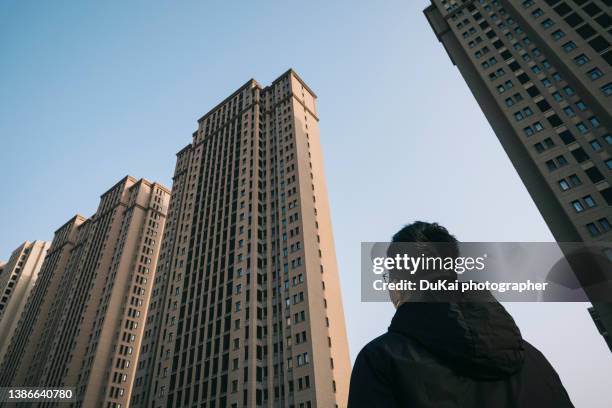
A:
<point x="443" y="355"/>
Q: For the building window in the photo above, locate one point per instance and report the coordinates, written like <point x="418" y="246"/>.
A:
<point x="533" y="91"/>
<point x="539" y="147"/>
<point x="549" y="143"/>
<point x="564" y="185"/>
<point x="608" y="138"/>
<point x="594" y="174"/>
<point x="548" y="23"/>
<point x="580" y="155"/>
<point x="538" y="126"/>
<point x="577" y="206"/>
<point x="595" y="145"/>
<point x="558" y="34"/>
<point x="574" y="19"/>
<point x="604" y="224"/>
<point x="589" y="201"/>
<point x="575" y="180"/>
<point x="581" y="59"/>
<point x="593" y="230"/>
<point x="582" y="127"/>
<point x="609" y="164"/>
<point x="607" y="89"/>
<point x="569" y="46"/>
<point x="595" y="73"/>
<point x="594" y="121"/>
<point x="581" y="105"/>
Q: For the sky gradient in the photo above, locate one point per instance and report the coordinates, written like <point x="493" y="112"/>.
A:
<point x="93" y="91"/>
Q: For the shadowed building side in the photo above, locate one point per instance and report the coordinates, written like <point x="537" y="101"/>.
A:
<point x="540" y="71"/>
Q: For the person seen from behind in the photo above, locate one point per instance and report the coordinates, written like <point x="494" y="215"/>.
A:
<point x="446" y="354"/>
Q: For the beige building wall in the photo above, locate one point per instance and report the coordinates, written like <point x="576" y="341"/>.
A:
<point x="89" y="330"/>
<point x="17" y="278"/>
<point x="35" y="316"/>
<point x="107" y="373"/>
<point x="324" y="293"/>
<point x="246" y="309"/>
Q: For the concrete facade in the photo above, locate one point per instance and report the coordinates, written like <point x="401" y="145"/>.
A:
<point x="83" y="325"/>
<point x="246" y="308"/>
<point x="17" y="278"/>
<point x="540" y="71"/>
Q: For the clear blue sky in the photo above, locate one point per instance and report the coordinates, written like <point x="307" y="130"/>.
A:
<point x="92" y="91"/>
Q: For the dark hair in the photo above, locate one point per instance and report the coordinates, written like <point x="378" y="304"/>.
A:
<point x="431" y="239"/>
<point x="420" y="231"/>
<point x="425" y="232"/>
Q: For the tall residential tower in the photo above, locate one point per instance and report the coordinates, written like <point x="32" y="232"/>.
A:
<point x="246" y="308"/>
<point x="540" y="71"/>
<point x="17" y="278"/>
<point x="83" y="323"/>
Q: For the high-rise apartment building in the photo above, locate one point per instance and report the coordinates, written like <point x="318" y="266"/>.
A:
<point x="17" y="278"/>
<point x="246" y="308"/>
<point x="33" y="319"/>
<point x="83" y="323"/>
<point x="540" y="71"/>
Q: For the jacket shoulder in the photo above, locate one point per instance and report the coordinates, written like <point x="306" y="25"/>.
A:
<point x="390" y="345"/>
<point x="537" y="365"/>
<point x="383" y="342"/>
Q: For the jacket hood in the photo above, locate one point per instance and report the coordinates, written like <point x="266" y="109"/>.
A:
<point x="476" y="339"/>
